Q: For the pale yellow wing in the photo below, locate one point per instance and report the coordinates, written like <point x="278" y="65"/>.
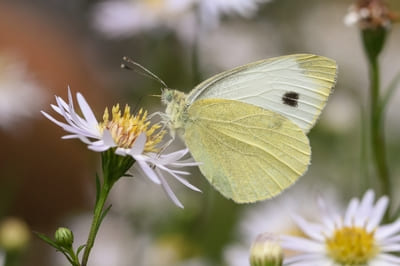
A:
<point x="296" y="86"/>
<point x="246" y="152"/>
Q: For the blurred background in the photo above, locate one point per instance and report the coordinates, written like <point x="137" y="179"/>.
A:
<point x="46" y="182"/>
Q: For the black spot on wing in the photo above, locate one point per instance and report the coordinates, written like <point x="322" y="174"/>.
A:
<point x="291" y="98"/>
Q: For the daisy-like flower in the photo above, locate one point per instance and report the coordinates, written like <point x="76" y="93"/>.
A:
<point x="355" y="239"/>
<point x="370" y="14"/>
<point x="129" y="135"/>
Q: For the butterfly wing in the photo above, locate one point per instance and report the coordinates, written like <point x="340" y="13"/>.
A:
<point x="246" y="152"/>
<point x="295" y="86"/>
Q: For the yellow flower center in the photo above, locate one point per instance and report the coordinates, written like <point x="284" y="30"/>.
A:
<point x="352" y="246"/>
<point x="125" y="128"/>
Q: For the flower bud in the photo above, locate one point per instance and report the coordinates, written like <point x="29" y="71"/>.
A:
<point x="266" y="251"/>
<point x="64" y="237"/>
<point x="14" y="234"/>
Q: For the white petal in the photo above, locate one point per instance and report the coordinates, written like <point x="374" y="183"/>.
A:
<point x="377" y="213"/>
<point x="304" y="258"/>
<point x="185" y="163"/>
<point x="301" y="244"/>
<point x="350" y="212"/>
<point x="391" y="240"/>
<point x="138" y="145"/>
<point x="86" y="110"/>
<point x="148" y="171"/>
<point x="365" y="208"/>
<point x="312" y="230"/>
<point x="108" y="139"/>
<point x="388" y="258"/>
<point x="173" y="156"/>
<point x="391" y="248"/>
<point x="351" y="18"/>
<point x="98" y="148"/>
<point x="387" y="230"/>
<point x="180" y="179"/>
<point x="169" y="191"/>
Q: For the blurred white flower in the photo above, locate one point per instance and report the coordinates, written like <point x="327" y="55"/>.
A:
<point x="124" y="18"/>
<point x="20" y="95"/>
<point x="211" y="11"/>
<point x="351" y="239"/>
<point x="119" y="243"/>
<point x="273" y="216"/>
<point x="130" y="135"/>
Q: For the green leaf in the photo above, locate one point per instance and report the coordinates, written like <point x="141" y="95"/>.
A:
<point x="102" y="216"/>
<point x="48" y="240"/>
<point x="80" y="248"/>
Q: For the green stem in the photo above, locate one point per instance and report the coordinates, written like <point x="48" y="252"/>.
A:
<point x="365" y="183"/>
<point x="74" y="258"/>
<point x="96" y="222"/>
<point x="377" y="130"/>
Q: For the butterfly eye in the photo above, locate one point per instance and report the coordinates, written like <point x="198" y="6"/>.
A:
<point x="169" y="97"/>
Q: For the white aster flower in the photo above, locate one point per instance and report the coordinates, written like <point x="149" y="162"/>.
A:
<point x="20" y="94"/>
<point x="130" y="135"/>
<point x="273" y="216"/>
<point x="353" y="239"/>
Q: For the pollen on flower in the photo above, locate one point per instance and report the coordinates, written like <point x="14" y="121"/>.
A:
<point x="352" y="246"/>
<point x="126" y="127"/>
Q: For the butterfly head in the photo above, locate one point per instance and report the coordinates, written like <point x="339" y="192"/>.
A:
<point x="167" y="95"/>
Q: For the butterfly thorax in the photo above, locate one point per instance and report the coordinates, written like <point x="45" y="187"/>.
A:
<point x="176" y="114"/>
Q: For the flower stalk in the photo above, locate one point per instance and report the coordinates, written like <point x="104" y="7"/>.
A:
<point x="98" y="215"/>
<point x="114" y="167"/>
<point x="373" y="41"/>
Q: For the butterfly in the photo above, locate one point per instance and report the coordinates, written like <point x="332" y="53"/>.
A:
<point x="247" y="126"/>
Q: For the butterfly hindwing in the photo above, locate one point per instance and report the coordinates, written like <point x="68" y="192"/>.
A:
<point x="246" y="152"/>
<point x="295" y="86"/>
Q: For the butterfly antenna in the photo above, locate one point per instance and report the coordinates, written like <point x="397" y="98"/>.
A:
<point x="138" y="68"/>
<point x="136" y="108"/>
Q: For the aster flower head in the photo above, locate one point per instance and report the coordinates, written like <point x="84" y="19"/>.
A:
<point x="133" y="138"/>
<point x="356" y="238"/>
<point x="370" y="14"/>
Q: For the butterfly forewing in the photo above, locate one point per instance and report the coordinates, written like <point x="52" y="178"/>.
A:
<point x="295" y="86"/>
<point x="246" y="152"/>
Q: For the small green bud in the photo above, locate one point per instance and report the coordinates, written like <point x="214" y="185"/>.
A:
<point x="266" y="251"/>
<point x="64" y="237"/>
